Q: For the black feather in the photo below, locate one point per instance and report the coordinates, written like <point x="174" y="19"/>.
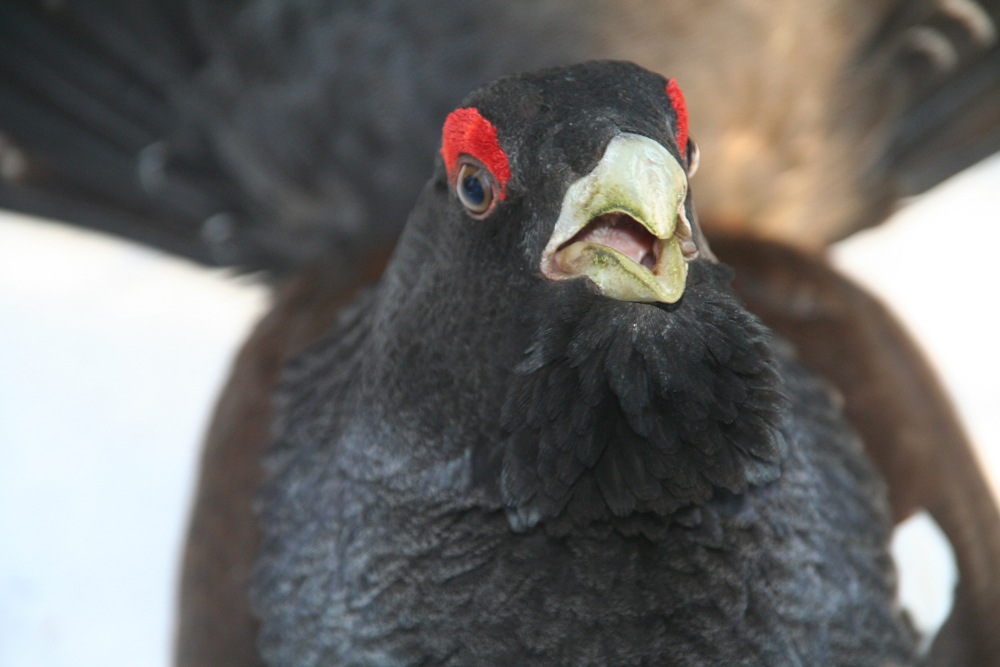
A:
<point x="464" y="477"/>
<point x="665" y="386"/>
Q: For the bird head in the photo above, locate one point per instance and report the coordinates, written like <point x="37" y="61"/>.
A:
<point x="623" y="217"/>
<point x="553" y="310"/>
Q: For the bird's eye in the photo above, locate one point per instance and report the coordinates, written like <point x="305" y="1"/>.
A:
<point x="694" y="157"/>
<point x="475" y="190"/>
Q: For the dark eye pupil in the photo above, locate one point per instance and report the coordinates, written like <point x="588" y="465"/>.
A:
<point x="472" y="187"/>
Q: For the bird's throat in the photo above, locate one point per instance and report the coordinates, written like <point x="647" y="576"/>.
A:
<point x="622" y="407"/>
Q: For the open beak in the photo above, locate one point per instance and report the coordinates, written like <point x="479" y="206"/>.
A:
<point x="623" y="225"/>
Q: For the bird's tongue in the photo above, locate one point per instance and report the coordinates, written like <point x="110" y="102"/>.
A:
<point x="624" y="234"/>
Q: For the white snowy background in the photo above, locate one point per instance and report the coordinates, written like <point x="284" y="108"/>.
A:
<point x="111" y="356"/>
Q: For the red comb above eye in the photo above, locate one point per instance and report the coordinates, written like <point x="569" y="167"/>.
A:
<point x="467" y="132"/>
<point x="681" y="109"/>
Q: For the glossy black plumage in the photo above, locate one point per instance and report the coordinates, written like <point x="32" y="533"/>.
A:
<point x="423" y="505"/>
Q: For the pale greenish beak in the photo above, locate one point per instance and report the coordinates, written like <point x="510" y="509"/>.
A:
<point x="623" y="225"/>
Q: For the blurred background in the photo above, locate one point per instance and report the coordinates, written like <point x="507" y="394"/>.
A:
<point x="111" y="356"/>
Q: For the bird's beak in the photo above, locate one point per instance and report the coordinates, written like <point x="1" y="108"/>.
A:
<point x="623" y="225"/>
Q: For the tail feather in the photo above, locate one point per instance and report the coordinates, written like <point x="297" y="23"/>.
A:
<point x="952" y="129"/>
<point x="90" y="107"/>
<point x="256" y="134"/>
<point x="931" y="85"/>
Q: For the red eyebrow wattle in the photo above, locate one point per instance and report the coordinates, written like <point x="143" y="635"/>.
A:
<point x="680" y="108"/>
<point x="467" y="132"/>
